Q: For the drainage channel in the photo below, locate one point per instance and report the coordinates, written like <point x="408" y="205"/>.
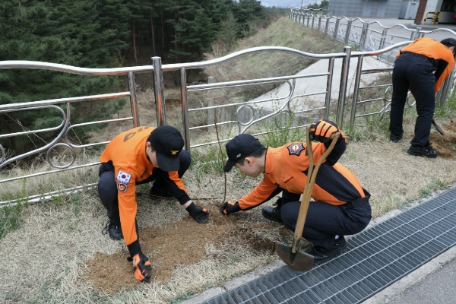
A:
<point x="373" y="260"/>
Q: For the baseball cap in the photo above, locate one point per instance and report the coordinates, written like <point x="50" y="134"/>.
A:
<point x="449" y="41"/>
<point x="239" y="147"/>
<point x="167" y="142"/>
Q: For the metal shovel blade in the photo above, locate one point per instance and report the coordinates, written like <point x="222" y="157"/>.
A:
<point x="298" y="261"/>
<point x="437" y="127"/>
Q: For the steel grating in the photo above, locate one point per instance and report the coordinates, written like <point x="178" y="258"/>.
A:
<point x="373" y="259"/>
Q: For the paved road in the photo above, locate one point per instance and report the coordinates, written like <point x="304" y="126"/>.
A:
<point x="439" y="287"/>
<point x="432" y="283"/>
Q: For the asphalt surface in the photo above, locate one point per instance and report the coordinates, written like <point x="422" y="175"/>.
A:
<point x="438" y="287"/>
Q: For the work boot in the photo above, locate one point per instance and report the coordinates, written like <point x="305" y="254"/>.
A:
<point x="425" y="151"/>
<point x="159" y="192"/>
<point x="322" y="254"/>
<point x="273" y="213"/>
<point x="114" y="230"/>
<point x="395" y="138"/>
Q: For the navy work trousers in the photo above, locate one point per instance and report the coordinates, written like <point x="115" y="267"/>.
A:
<point x="324" y="221"/>
<point x="107" y="187"/>
<point x="415" y="72"/>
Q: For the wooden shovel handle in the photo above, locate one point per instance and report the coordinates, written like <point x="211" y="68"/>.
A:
<point x="311" y="176"/>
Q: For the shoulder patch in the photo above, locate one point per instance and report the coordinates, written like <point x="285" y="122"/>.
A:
<point x="122" y="187"/>
<point x="123" y="177"/>
<point x="295" y="149"/>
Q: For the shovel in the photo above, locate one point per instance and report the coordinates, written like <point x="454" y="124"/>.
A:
<point x="300" y="260"/>
<point x="437" y="127"/>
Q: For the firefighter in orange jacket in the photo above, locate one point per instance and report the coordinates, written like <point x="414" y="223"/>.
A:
<point x="340" y="205"/>
<point x="137" y="156"/>
<point x="422" y="66"/>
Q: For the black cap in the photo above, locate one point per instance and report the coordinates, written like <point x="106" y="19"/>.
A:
<point x="239" y="147"/>
<point x="167" y="142"/>
<point x="449" y="41"/>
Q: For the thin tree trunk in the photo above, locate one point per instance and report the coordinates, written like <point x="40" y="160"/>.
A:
<point x="175" y="34"/>
<point x="152" y="34"/>
<point x="163" y="34"/>
<point x="134" y="42"/>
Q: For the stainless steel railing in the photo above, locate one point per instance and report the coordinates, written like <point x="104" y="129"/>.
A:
<point x="369" y="36"/>
<point x="233" y="116"/>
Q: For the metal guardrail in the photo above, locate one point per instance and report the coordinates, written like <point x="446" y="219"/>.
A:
<point x="248" y="114"/>
<point x="366" y="36"/>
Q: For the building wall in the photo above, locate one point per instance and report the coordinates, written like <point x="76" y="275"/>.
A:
<point x="365" y="8"/>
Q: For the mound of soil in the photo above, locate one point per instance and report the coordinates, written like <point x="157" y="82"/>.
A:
<point x="176" y="243"/>
<point x="445" y="144"/>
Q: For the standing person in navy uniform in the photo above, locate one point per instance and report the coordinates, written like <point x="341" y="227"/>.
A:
<point x="421" y="67"/>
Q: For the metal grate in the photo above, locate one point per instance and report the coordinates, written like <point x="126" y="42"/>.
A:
<point x="373" y="259"/>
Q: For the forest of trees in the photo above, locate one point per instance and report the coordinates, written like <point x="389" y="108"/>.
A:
<point x="322" y="5"/>
<point x="107" y="33"/>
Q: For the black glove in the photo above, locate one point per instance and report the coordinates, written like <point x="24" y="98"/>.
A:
<point x="199" y="214"/>
<point x="230" y="207"/>
<point x="141" y="267"/>
<point x="321" y="130"/>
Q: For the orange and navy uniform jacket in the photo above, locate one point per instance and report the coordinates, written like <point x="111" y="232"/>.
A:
<point x="286" y="168"/>
<point x="127" y="152"/>
<point x="439" y="54"/>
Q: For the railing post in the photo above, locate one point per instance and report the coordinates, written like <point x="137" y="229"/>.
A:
<point x="443" y="93"/>
<point x="319" y="23"/>
<point x="313" y="20"/>
<point x="347" y="33"/>
<point x="133" y="102"/>
<point x="359" y="69"/>
<point x="336" y="28"/>
<point x="329" y="86"/>
<point x="415" y="34"/>
<point x="159" y="91"/>
<point x="343" y="86"/>
<point x="183" y="80"/>
<point x="308" y="20"/>
<point x="327" y="26"/>
<point x="383" y="38"/>
<point x="362" y="42"/>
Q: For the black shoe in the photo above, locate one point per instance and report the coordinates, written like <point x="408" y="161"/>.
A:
<point x="114" y="230"/>
<point x="322" y="254"/>
<point x="395" y="138"/>
<point x="425" y="151"/>
<point x="273" y="213"/>
<point x="159" y="192"/>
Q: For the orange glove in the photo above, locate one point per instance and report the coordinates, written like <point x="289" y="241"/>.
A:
<point x="321" y="130"/>
<point x="141" y="267"/>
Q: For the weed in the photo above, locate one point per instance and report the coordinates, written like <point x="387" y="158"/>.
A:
<point x="234" y="259"/>
<point x="424" y="192"/>
<point x="10" y="218"/>
<point x="182" y="296"/>
<point x="286" y="133"/>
